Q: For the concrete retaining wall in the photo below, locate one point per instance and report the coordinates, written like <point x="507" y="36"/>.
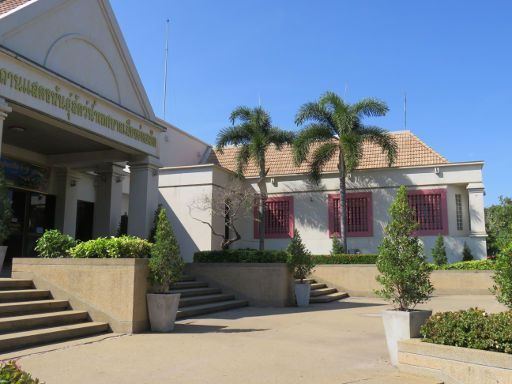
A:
<point x="263" y="285"/>
<point x="111" y="290"/>
<point x="359" y="280"/>
<point x="454" y="365"/>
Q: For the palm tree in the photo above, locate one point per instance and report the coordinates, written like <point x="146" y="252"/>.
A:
<point x="252" y="131"/>
<point x="334" y="128"/>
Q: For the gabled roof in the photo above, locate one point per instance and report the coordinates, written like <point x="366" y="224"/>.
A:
<point x="411" y="152"/>
<point x="9" y="5"/>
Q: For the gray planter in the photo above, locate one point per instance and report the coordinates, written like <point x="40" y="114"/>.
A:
<point x="162" y="309"/>
<point x="3" y="251"/>
<point x="401" y="325"/>
<point x="302" y="292"/>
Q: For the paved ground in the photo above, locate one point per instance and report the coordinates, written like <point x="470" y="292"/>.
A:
<point x="340" y="342"/>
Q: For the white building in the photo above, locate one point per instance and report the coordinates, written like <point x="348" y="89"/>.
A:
<point x="81" y="145"/>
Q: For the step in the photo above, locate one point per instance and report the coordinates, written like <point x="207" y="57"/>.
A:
<point x="24" y="295"/>
<point x="198" y="300"/>
<point x="328" y="298"/>
<point x="38" y="320"/>
<point x="197" y="310"/>
<point x="310" y="281"/>
<point x="23" y="339"/>
<point x="187" y="278"/>
<point x="189" y="284"/>
<point x="196" y="291"/>
<point x="322" y="291"/>
<point x="25" y="307"/>
<point x="317" y="286"/>
<point x="14" y="284"/>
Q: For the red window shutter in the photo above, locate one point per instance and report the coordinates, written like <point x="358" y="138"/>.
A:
<point x="431" y="211"/>
<point x="279" y="218"/>
<point x="359" y="214"/>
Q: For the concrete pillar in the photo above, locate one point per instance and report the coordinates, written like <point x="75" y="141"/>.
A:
<point x="109" y="195"/>
<point x="476" y="209"/>
<point x="143" y="196"/>
<point x="65" y="210"/>
<point x="4" y="111"/>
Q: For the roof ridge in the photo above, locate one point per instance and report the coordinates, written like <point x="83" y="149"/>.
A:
<point x="428" y="146"/>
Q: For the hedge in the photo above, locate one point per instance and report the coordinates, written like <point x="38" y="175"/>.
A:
<point x="344" y="258"/>
<point x="472" y="328"/>
<point x="241" y="256"/>
<point x="112" y="247"/>
<point x="482" y="265"/>
<point x="11" y="373"/>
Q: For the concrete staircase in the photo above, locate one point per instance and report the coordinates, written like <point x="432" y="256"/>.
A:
<point x="321" y="293"/>
<point x="30" y="317"/>
<point x="197" y="298"/>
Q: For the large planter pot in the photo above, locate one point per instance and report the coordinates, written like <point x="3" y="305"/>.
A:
<point x="3" y="251"/>
<point x="162" y="309"/>
<point x="302" y="292"/>
<point x="402" y="325"/>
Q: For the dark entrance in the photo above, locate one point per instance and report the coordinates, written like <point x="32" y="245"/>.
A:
<point x="33" y="213"/>
<point x="84" y="220"/>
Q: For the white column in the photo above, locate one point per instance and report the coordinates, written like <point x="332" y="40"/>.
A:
<point x="4" y="111"/>
<point x="143" y="196"/>
<point x="109" y="195"/>
<point x="65" y="210"/>
<point x="476" y="209"/>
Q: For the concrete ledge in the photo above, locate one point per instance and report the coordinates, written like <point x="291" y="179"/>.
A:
<point x="111" y="290"/>
<point x="262" y="284"/>
<point x="454" y="364"/>
<point x="359" y="280"/>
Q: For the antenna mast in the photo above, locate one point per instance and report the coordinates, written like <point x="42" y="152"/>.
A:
<point x="166" y="64"/>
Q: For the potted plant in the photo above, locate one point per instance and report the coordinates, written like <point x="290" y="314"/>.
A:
<point x="5" y="217"/>
<point x="404" y="275"/>
<point x="165" y="268"/>
<point x="301" y="264"/>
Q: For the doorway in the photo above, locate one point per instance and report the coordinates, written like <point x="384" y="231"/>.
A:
<point x="84" y="220"/>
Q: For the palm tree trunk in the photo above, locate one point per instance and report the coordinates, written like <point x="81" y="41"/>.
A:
<point x="343" y="202"/>
<point x="262" y="206"/>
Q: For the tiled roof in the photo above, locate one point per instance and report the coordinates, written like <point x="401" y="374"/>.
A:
<point x="9" y="5"/>
<point x="411" y="152"/>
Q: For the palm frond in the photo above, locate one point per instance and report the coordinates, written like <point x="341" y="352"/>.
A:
<point x="332" y="103"/>
<point x="279" y="137"/>
<point x="242" y="113"/>
<point x="352" y="145"/>
<point x="242" y="159"/>
<point x="383" y="139"/>
<point x="369" y="107"/>
<point x="314" y="112"/>
<point x="321" y="156"/>
<point x="312" y="133"/>
<point x="236" y="135"/>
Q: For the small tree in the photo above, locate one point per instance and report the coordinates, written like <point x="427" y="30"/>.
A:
<point x="228" y="204"/>
<point x="405" y="275"/>
<point x="467" y="255"/>
<point x="503" y="277"/>
<point x="5" y="209"/>
<point x="165" y="264"/>
<point x="152" y="233"/>
<point x="439" y="251"/>
<point x="300" y="260"/>
<point x="337" y="246"/>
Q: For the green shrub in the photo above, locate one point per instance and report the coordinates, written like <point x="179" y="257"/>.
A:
<point x="472" y="328"/>
<point x="299" y="260"/>
<point x="404" y="273"/>
<point x="112" y="247"/>
<point x="337" y="246"/>
<point x="467" y="255"/>
<point x="165" y="264"/>
<point x="152" y="232"/>
<point x="483" y="265"/>
<point x="503" y="277"/>
<point x="439" y="252"/>
<point x="53" y="243"/>
<point x="5" y="210"/>
<point x="241" y="256"/>
<point x="10" y="373"/>
<point x="346" y="259"/>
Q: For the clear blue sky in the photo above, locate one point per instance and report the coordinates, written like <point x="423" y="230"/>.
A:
<point x="453" y="58"/>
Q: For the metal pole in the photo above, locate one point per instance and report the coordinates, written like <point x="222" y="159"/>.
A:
<point x="166" y="64"/>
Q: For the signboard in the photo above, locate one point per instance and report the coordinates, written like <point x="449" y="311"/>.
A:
<point x="19" y="174"/>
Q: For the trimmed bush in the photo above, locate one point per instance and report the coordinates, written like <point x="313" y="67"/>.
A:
<point x="241" y="256"/>
<point x="482" y="265"/>
<point x="439" y="252"/>
<point x="299" y="260"/>
<point x="10" y="373"/>
<point x="467" y="255"/>
<point x="503" y="277"/>
<point x="472" y="328"/>
<point x="53" y="243"/>
<point x="112" y="247"/>
<point x="337" y="246"/>
<point x="346" y="259"/>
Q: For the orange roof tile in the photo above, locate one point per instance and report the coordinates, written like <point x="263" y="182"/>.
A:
<point x="9" y="5"/>
<point x="411" y="152"/>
